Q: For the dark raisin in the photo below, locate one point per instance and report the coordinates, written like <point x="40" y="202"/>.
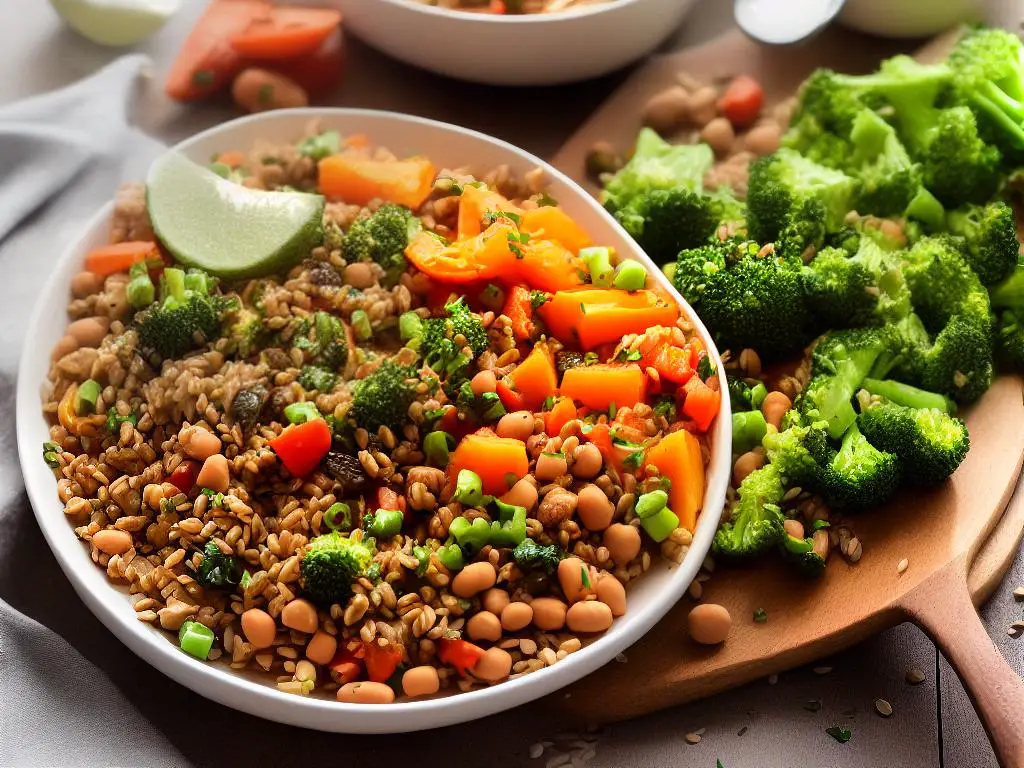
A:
<point x="248" y="404"/>
<point x="323" y="274"/>
<point x="536" y="583"/>
<point x="566" y="359"/>
<point x="347" y="471"/>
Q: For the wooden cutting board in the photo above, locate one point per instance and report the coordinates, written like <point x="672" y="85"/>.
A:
<point x="942" y="532"/>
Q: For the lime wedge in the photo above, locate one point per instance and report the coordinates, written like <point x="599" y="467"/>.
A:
<point x="229" y="230"/>
<point x="116" y="22"/>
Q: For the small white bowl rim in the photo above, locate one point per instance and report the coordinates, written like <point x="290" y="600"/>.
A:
<point x="512" y="18"/>
<point x="216" y="682"/>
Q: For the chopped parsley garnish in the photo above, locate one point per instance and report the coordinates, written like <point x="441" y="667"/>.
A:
<point x="705" y="368"/>
<point x="538" y="298"/>
<point x="629" y="355"/>
<point x="819" y="524"/>
<point x="840" y="734"/>
<point x="760" y="615"/>
<point x="216" y="498"/>
<point x="590" y="358"/>
<point x="546" y="200"/>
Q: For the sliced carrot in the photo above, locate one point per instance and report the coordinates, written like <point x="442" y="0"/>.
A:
<point x="233" y="158"/>
<point x="548" y="266"/>
<point x="286" y="32"/>
<point x="355" y="178"/>
<point x="678" y="457"/>
<point x="551" y="223"/>
<point x="598" y="386"/>
<point x="466" y="261"/>
<point x="319" y="71"/>
<point x="497" y="460"/>
<point x="701" y="403"/>
<point x="207" y="62"/>
<point x="474" y="203"/>
<point x="381" y="662"/>
<point x="460" y="654"/>
<point x="562" y="412"/>
<point x="535" y="378"/>
<point x="595" y="316"/>
<point x="519" y="309"/>
<point x="110" y="259"/>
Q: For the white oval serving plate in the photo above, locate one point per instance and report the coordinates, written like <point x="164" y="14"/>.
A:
<point x="447" y="146"/>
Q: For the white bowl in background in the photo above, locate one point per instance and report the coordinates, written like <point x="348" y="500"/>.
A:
<point x="527" y="49"/>
<point x="650" y="598"/>
<point x="909" y="18"/>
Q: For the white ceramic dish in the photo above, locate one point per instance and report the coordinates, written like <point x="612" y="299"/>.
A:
<point x="649" y="599"/>
<point x="528" y="49"/>
<point x="909" y="18"/>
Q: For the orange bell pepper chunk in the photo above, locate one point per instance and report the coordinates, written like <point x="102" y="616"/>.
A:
<point x="678" y="458"/>
<point x="548" y="266"/>
<point x="464" y="261"/>
<point x="355" y="178"/>
<point x="551" y="223"/>
<point x="596" y="316"/>
<point x="561" y="413"/>
<point x="701" y="402"/>
<point x="519" y="309"/>
<point x="474" y="203"/>
<point x="381" y="663"/>
<point x="535" y="378"/>
<point x="497" y="460"/>
<point x="598" y="386"/>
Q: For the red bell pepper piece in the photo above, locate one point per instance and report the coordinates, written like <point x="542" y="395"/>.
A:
<point x="301" y="447"/>
<point x="184" y="477"/>
<point x="346" y="664"/>
<point x="460" y="654"/>
<point x="381" y="662"/>
<point x="519" y="309"/>
<point x="512" y="400"/>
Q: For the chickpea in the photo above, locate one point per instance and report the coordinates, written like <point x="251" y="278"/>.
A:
<point x="366" y="693"/>
<point x="522" y="494"/>
<point x="548" y="613"/>
<point x="775" y="406"/>
<point x="623" y="542"/>
<point x="794" y="528"/>
<point x="763" y="139"/>
<point x="358" y="274"/>
<point x="484" y="626"/>
<point x="709" y="623"/>
<point x="65" y="346"/>
<point x="258" y="90"/>
<point x="214" y="474"/>
<point x="666" y="111"/>
<point x="494" y="665"/>
<point x="821" y="543"/>
<point x="516" y="616"/>
<point x="112" y="541"/>
<point x="322" y="647"/>
<point x="587" y="462"/>
<point x="473" y="579"/>
<point x="199" y="443"/>
<point x="483" y="383"/>
<point x="550" y="466"/>
<point x="719" y="135"/>
<point x="595" y="509"/>
<point x="260" y="629"/>
<point x="85" y="284"/>
<point x="89" y="331"/>
<point x="589" y="616"/>
<point x="746" y="464"/>
<point x="570" y="578"/>
<point x="703" y="107"/>
<point x="611" y="592"/>
<point x="301" y="615"/>
<point x="420" y="681"/>
<point x="495" y="600"/>
<point x="517" y="425"/>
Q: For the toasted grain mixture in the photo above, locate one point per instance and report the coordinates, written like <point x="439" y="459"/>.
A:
<point x="378" y="563"/>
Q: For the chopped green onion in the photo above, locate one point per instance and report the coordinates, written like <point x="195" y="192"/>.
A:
<point x="321" y="146"/>
<point x="492" y="408"/>
<point x="599" y="264"/>
<point x="651" y="503"/>
<point x="86" y="396"/>
<point x="630" y="276"/>
<point x="471" y="536"/>
<point x="757" y="394"/>
<point x="299" y="413"/>
<point x="172" y="284"/>
<point x="584" y="576"/>
<point x="661" y="524"/>
<point x="386" y="522"/>
<point x="510" y="529"/>
<point x="140" y="291"/>
<point x="246" y="578"/>
<point x="436" y="446"/>
<point x="410" y="326"/>
<point x="422" y="554"/>
<point x="361" y="325"/>
<point x="469" y="489"/>
<point x="195" y="639"/>
<point x="748" y="429"/>
<point x="51" y="452"/>
<point x="451" y="556"/>
<point x="670" y="270"/>
<point x="199" y="281"/>
<point x="221" y="169"/>
<point x="331" y="516"/>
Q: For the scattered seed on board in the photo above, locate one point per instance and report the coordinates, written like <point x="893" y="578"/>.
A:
<point x="701" y="731"/>
<point x="621" y="658"/>
<point x="902" y="566"/>
<point x="773" y="679"/>
<point x="692" y="738"/>
<point x="742" y="731"/>
<point x="915" y="676"/>
<point x="883" y="707"/>
<point x="1016" y="629"/>
<point x="536" y="750"/>
<point x="814" y="705"/>
<point x="824" y="670"/>
<point x="1018" y="594"/>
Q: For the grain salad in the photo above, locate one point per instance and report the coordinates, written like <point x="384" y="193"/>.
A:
<point x="375" y="428"/>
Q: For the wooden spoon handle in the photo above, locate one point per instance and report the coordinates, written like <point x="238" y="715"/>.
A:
<point x="943" y="608"/>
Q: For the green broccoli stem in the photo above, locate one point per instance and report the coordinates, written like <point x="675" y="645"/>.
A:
<point x="1009" y="294"/>
<point x="748" y="429"/>
<point x="904" y="394"/>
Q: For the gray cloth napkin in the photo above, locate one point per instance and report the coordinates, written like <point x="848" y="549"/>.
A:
<point x="61" y="157"/>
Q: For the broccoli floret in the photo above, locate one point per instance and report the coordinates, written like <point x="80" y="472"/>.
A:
<point x="859" y="476"/>
<point x="331" y="565"/>
<point x="825" y="109"/>
<point x="325" y="337"/>
<point x="656" y="164"/>
<point x="960" y="361"/>
<point x="382" y="237"/>
<point x="755" y="523"/>
<point x="930" y="444"/>
<point x="805" y="230"/>
<point x="185" y="317"/>
<point x="800" y="552"/>
<point x="989" y="232"/>
<point x="383" y="398"/>
<point x="443" y="340"/>
<point x="958" y="167"/>
<point x="316" y="377"/>
<point x="798" y="451"/>
<point x="748" y="296"/>
<point x="246" y="332"/>
<point x="778" y="183"/>
<point x="666" y="221"/>
<point x="1010" y="340"/>
<point x="218" y="569"/>
<point x="889" y="180"/>
<point x="841" y="291"/>
<point x="904" y="394"/>
<point x="988" y="77"/>
<point x="529" y="555"/>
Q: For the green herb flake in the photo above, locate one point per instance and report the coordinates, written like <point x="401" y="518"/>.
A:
<point x="705" y="368"/>
<point x="819" y="524"/>
<point x="546" y="200"/>
<point x="203" y="78"/>
<point x="584" y="576"/>
<point x="760" y="615"/>
<point x="840" y="734"/>
<point x="590" y="358"/>
<point x="265" y="95"/>
<point x="538" y="299"/>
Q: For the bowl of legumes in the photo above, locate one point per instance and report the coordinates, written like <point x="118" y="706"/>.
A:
<point x="515" y="42"/>
<point x="342" y="408"/>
